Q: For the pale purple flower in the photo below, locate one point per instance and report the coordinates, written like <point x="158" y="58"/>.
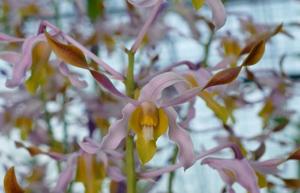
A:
<point x="151" y="93"/>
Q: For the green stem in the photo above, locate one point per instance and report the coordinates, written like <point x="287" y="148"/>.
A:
<point x="130" y="163"/>
<point x="172" y="174"/>
<point x="207" y="49"/>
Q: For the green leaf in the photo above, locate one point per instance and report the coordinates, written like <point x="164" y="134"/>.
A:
<point x="95" y="8"/>
<point x="198" y="4"/>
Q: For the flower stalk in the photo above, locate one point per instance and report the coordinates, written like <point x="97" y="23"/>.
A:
<point x="130" y="163"/>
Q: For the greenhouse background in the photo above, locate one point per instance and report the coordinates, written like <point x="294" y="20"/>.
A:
<point x="175" y="46"/>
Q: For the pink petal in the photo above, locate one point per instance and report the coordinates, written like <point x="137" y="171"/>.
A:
<point x="218" y="12"/>
<point x="118" y="130"/>
<point x="67" y="175"/>
<point x="9" y="39"/>
<point x="242" y="172"/>
<point x="116" y="174"/>
<point x="73" y="77"/>
<point x="143" y="3"/>
<point x="147" y="25"/>
<point x="186" y="96"/>
<point x="19" y="69"/>
<point x="268" y="166"/>
<point x="107" y="84"/>
<point x="152" y="91"/>
<point x="89" y="147"/>
<point x="181" y="138"/>
<point x="10" y="57"/>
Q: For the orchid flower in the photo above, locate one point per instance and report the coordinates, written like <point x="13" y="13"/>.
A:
<point x="150" y="117"/>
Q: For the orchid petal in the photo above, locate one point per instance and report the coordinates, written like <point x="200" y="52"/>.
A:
<point x="152" y="90"/>
<point x="89" y="147"/>
<point x="118" y="130"/>
<point x="218" y="12"/>
<point x="181" y="138"/>
<point x="116" y="174"/>
<point x="235" y="170"/>
<point x="9" y="39"/>
<point x="146" y="26"/>
<point x="25" y="62"/>
<point x="67" y="175"/>
<point x="186" y="96"/>
<point x="143" y="3"/>
<point x="268" y="166"/>
<point x="10" y="57"/>
<point x="73" y="77"/>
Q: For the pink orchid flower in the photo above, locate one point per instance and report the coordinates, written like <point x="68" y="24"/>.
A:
<point x="150" y="116"/>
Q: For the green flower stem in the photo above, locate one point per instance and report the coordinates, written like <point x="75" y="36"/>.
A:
<point x="130" y="163"/>
<point x="172" y="174"/>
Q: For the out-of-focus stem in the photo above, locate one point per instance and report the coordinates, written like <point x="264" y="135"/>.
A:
<point x="207" y="49"/>
<point x="130" y="164"/>
<point x="172" y="174"/>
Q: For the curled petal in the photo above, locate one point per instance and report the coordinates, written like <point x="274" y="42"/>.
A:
<point x="234" y="170"/>
<point x="181" y="138"/>
<point x="118" y="130"/>
<point x="152" y="91"/>
<point x="67" y="175"/>
<point x="73" y="77"/>
<point x="144" y="3"/>
<point x="218" y="12"/>
<point x="19" y="69"/>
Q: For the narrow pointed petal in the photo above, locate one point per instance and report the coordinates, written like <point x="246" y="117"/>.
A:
<point x="218" y="12"/>
<point x="181" y="138"/>
<point x="234" y="170"/>
<point x="10" y="182"/>
<point x="19" y="69"/>
<point x="118" y="130"/>
<point x="152" y="90"/>
<point x="67" y="175"/>
<point x="9" y="39"/>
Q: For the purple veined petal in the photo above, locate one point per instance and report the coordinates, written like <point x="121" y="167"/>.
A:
<point x="268" y="166"/>
<point x="9" y="39"/>
<point x="234" y="170"/>
<point x="118" y="130"/>
<point x="10" y="57"/>
<point x="153" y="89"/>
<point x="186" y="96"/>
<point x="116" y="174"/>
<point x="218" y="12"/>
<point x="181" y="138"/>
<point x="19" y="69"/>
<point x="143" y="3"/>
<point x="73" y="77"/>
<point x="67" y="175"/>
